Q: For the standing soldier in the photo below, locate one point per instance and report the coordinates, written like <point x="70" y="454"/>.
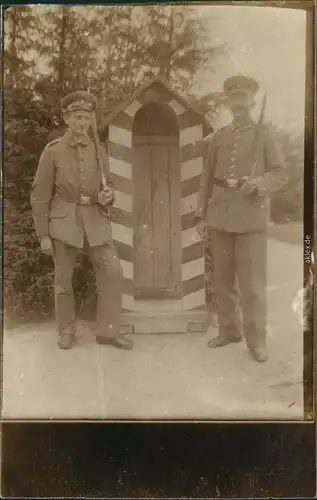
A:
<point x="243" y="167"/>
<point x="70" y="199"/>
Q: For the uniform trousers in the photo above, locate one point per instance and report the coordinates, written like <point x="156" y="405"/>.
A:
<point x="240" y="278"/>
<point x="109" y="282"/>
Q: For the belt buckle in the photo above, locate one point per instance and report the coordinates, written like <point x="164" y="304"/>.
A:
<point x="85" y="200"/>
<point x="232" y="183"/>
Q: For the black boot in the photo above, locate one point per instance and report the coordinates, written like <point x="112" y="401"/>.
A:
<point x="120" y="342"/>
<point x="222" y="341"/>
<point x="259" y="354"/>
<point x="66" y="339"/>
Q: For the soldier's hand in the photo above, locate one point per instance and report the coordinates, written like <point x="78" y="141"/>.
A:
<point x="105" y="196"/>
<point x="201" y="229"/>
<point x="249" y="187"/>
<point x="46" y="245"/>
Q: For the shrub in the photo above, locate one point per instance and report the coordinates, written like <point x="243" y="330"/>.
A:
<point x="28" y="274"/>
<point x="288" y="204"/>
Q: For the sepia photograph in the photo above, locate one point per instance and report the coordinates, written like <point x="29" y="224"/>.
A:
<point x="153" y="221"/>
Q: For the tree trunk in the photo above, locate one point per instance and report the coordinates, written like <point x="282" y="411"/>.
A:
<point x="168" y="67"/>
<point x="12" y="66"/>
<point x="126" y="76"/>
<point x="62" y="47"/>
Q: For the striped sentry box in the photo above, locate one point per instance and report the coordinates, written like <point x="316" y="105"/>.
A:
<point x="191" y="166"/>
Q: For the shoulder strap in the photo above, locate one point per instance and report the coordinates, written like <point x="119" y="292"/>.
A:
<point x="53" y="142"/>
<point x="49" y="145"/>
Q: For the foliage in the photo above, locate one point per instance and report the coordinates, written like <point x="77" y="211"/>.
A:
<point x="288" y="204"/>
<point x="50" y="50"/>
<point x="27" y="273"/>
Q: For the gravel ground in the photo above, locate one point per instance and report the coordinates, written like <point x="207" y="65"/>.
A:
<point x="167" y="376"/>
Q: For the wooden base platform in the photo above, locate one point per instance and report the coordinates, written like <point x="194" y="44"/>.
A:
<point x="153" y="321"/>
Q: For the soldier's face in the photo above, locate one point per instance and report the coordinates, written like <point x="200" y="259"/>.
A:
<point x="78" y="121"/>
<point x="241" y="103"/>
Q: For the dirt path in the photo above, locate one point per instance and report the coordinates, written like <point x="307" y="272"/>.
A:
<point x="166" y="376"/>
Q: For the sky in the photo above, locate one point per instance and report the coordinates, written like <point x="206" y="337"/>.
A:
<point x="268" y="44"/>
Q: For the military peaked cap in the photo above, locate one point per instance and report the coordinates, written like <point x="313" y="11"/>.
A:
<point x="240" y="83"/>
<point x="79" y="101"/>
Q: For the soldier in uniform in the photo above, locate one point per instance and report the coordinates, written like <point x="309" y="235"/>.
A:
<point x="243" y="167"/>
<point x="70" y="199"/>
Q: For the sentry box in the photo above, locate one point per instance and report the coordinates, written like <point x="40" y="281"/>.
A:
<point x="156" y="164"/>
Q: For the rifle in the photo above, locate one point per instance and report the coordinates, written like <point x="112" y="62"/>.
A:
<point x="98" y="151"/>
<point x="258" y="135"/>
<point x="99" y="162"/>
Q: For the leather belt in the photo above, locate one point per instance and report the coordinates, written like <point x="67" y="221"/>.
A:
<point x="87" y="200"/>
<point x="81" y="200"/>
<point x="229" y="183"/>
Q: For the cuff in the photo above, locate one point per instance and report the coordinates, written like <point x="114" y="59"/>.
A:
<point x="260" y="188"/>
<point x="200" y="214"/>
<point x="113" y="199"/>
<point x="41" y="226"/>
<point x="262" y="191"/>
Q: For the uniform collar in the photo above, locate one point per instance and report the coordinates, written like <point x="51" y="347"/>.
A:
<point x="242" y="126"/>
<point x="77" y="140"/>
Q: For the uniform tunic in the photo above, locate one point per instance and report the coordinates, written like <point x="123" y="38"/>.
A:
<point x="231" y="155"/>
<point x="239" y="223"/>
<point x="67" y="171"/>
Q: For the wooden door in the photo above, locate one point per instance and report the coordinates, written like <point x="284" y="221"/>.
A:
<point x="156" y="202"/>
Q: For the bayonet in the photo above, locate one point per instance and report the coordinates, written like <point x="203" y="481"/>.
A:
<point x="258" y="135"/>
<point x="98" y="152"/>
<point x="100" y="165"/>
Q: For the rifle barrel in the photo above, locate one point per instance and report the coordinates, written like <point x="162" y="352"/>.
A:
<point x="258" y="134"/>
<point x="98" y="152"/>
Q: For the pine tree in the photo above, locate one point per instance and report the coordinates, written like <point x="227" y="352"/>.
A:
<point x="175" y="41"/>
<point x="49" y="51"/>
<point x="18" y="44"/>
